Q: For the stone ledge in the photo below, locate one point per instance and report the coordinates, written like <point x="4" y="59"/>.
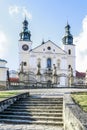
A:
<point x="74" y="117"/>
<point x="7" y="102"/>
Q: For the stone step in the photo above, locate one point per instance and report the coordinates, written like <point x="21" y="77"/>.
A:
<point x="42" y="99"/>
<point x="50" y="105"/>
<point x="39" y="102"/>
<point x="37" y="107"/>
<point x="22" y="117"/>
<point x="32" y="113"/>
<point x="36" y="110"/>
<point x="40" y="122"/>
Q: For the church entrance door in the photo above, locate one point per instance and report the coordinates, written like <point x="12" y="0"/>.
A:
<point x="49" y="83"/>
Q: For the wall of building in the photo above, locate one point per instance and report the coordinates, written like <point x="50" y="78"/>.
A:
<point x="71" y="58"/>
<point x="3" y="73"/>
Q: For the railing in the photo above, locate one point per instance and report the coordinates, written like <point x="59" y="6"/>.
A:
<point x="7" y="102"/>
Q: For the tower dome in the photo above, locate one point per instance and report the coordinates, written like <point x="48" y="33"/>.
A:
<point x="68" y="38"/>
<point x="25" y="35"/>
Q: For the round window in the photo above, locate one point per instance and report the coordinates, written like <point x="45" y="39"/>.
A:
<point x="49" y="48"/>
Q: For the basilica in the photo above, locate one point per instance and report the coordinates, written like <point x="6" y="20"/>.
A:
<point x="47" y="63"/>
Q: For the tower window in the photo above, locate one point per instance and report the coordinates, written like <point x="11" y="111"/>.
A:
<point x="69" y="52"/>
<point x="25" y="64"/>
<point x="49" y="63"/>
<point x="69" y="66"/>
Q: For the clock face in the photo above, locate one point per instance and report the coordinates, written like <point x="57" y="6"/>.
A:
<point x="25" y="47"/>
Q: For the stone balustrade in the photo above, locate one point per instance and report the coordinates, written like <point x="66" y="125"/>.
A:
<point x="74" y="117"/>
<point x="7" y="102"/>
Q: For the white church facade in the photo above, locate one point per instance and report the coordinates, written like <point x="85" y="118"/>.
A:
<point x="46" y="63"/>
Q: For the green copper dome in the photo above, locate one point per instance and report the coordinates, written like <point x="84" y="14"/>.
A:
<point x="25" y="35"/>
<point x="68" y="38"/>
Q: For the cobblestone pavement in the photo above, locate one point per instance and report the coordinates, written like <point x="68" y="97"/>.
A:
<point x="28" y="127"/>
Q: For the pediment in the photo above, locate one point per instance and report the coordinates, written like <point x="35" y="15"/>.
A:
<point x="48" y="47"/>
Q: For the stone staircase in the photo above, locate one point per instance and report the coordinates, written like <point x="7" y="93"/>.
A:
<point x="35" y="110"/>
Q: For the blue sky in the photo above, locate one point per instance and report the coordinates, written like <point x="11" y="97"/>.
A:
<point x="47" y="19"/>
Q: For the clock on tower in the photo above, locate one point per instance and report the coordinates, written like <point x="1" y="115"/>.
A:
<point x="25" y="47"/>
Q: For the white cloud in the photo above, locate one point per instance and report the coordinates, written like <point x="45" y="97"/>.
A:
<point x="3" y="44"/>
<point x="14" y="10"/>
<point x="81" y="47"/>
<point x="19" y="10"/>
<point x="25" y="12"/>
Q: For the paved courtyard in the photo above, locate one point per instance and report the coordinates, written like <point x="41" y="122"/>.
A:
<point x="28" y="127"/>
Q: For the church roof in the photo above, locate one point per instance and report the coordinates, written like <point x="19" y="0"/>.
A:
<point x="80" y="74"/>
<point x="15" y="80"/>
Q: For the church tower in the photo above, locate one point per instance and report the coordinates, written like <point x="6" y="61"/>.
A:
<point x="69" y="47"/>
<point x="25" y="45"/>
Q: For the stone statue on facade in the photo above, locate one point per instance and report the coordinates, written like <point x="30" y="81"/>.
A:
<point x="38" y="69"/>
<point x="70" y="77"/>
<point x="55" y="73"/>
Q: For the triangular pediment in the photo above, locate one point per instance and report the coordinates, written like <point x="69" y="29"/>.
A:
<point x="49" y="47"/>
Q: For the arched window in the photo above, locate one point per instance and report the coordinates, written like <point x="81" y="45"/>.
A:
<point x="49" y="63"/>
<point x="69" y="52"/>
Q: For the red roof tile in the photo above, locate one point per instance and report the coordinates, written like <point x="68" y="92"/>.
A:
<point x="14" y="80"/>
<point x="80" y="74"/>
